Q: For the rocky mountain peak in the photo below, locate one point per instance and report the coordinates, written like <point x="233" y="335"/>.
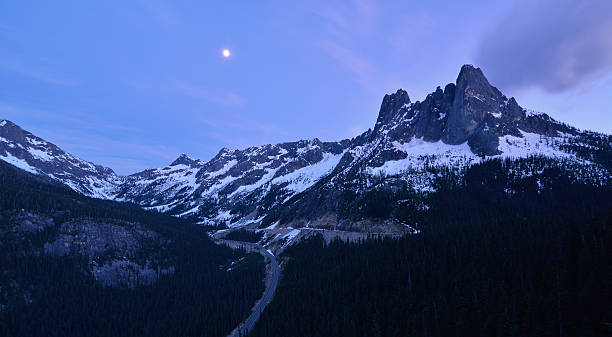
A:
<point x="474" y="97"/>
<point x="470" y="110"/>
<point x="225" y="152"/>
<point x="454" y="126"/>
<point x="10" y="130"/>
<point x="35" y="155"/>
<point x="391" y="105"/>
<point x="184" y="159"/>
<point x="472" y="76"/>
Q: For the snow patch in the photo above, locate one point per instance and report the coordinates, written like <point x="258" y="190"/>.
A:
<point x="36" y="142"/>
<point x="190" y="211"/>
<point x="421" y="153"/>
<point x="40" y="154"/>
<point x="302" y="179"/>
<point x="530" y="144"/>
<point x="291" y="235"/>
<point x="272" y="226"/>
<point x="530" y="112"/>
<point x="224" y="169"/>
<point x="20" y="163"/>
<point x="264" y="179"/>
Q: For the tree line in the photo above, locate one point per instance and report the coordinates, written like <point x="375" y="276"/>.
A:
<point x="499" y="254"/>
<point x="58" y="296"/>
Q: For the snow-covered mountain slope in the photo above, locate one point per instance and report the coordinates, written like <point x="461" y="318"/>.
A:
<point x="35" y="155"/>
<point x="233" y="178"/>
<point x="380" y="186"/>
<point x="326" y="184"/>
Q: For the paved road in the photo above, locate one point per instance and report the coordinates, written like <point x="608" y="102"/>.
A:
<point x="272" y="275"/>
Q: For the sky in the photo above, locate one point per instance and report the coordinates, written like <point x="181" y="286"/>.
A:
<point x="133" y="84"/>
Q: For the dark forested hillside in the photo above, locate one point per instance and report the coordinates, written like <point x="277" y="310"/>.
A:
<point x="56" y="295"/>
<point x="244" y="235"/>
<point x="499" y="254"/>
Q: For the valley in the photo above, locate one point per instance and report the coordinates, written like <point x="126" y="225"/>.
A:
<point x="408" y="228"/>
<point x="346" y="168"/>
<point x="271" y="282"/>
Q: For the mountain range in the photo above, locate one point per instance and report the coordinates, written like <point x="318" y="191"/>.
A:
<point x="310" y="183"/>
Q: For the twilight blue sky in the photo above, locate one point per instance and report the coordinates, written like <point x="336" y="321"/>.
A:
<point x="132" y="84"/>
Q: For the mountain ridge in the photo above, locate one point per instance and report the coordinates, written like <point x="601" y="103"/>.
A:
<point x="23" y="149"/>
<point x="466" y="122"/>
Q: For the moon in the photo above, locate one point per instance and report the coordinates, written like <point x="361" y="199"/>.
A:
<point x="226" y="53"/>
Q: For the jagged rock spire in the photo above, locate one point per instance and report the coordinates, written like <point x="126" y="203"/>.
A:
<point x="469" y="110"/>
<point x="390" y="107"/>
<point x="184" y="159"/>
<point x="474" y="98"/>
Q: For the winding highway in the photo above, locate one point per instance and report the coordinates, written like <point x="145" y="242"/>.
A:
<point x="272" y="276"/>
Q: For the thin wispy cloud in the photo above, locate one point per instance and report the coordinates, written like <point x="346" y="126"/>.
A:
<point x="30" y="71"/>
<point x="89" y="138"/>
<point x="201" y="92"/>
<point x="79" y="120"/>
<point x="101" y="144"/>
<point x="7" y="32"/>
<point x="232" y="142"/>
<point x="350" y="29"/>
<point x="96" y="149"/>
<point x="353" y="62"/>
<point x="413" y="29"/>
<point x="181" y="87"/>
<point x="162" y="11"/>
<point x="92" y="138"/>
<point x="123" y="165"/>
<point x="237" y="124"/>
<point x="355" y="130"/>
<point x="338" y="20"/>
<point x="555" y="45"/>
<point x="310" y="69"/>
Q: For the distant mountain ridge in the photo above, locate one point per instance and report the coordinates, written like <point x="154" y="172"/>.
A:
<point x="35" y="155"/>
<point x="410" y="146"/>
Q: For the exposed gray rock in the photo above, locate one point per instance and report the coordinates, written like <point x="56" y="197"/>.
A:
<point x="239" y="187"/>
<point x="474" y="98"/>
<point x="470" y="110"/>
<point x="93" y="238"/>
<point x="113" y="249"/>
<point x="184" y="159"/>
<point x="392" y="105"/>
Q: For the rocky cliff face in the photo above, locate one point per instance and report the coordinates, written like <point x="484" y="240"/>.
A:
<point x="114" y="250"/>
<point x="470" y="110"/>
<point x="452" y="128"/>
